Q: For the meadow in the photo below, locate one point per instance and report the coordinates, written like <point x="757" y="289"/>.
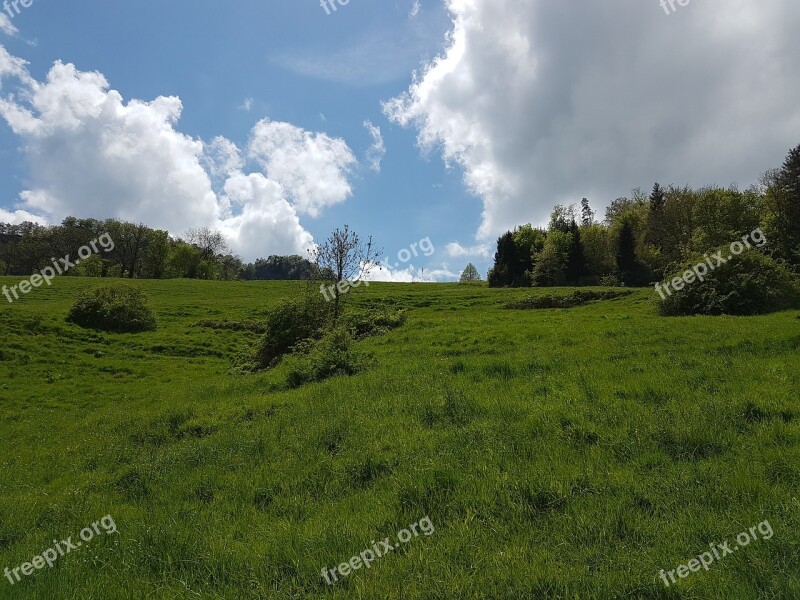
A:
<point x="559" y="453"/>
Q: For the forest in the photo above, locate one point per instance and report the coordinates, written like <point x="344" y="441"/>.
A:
<point x="646" y="237"/>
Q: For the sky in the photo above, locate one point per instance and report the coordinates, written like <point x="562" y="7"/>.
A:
<point x="435" y="123"/>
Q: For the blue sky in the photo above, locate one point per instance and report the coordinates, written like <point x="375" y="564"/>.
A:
<point x="261" y="118"/>
<point x="233" y="64"/>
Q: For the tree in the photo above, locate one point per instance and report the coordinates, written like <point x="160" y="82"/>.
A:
<point x="783" y="200"/>
<point x="470" y="274"/>
<point x="502" y="274"/>
<point x="281" y="268"/>
<point x="657" y="198"/>
<point x="576" y="260"/>
<point x="587" y="214"/>
<point x="655" y="215"/>
<point x="599" y="251"/>
<point x="529" y="243"/>
<point x="626" y="252"/>
<point x="230" y="267"/>
<point x="551" y="263"/>
<point x="154" y="261"/>
<point x="210" y="242"/>
<point x="561" y="217"/>
<point x="184" y="261"/>
<point x="346" y="259"/>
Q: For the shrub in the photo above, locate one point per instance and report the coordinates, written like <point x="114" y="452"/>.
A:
<point x="289" y="324"/>
<point x="577" y="298"/>
<point x="748" y="284"/>
<point x="363" y="324"/>
<point x="317" y="360"/>
<point x="252" y="325"/>
<point x="610" y="280"/>
<point x="116" y="308"/>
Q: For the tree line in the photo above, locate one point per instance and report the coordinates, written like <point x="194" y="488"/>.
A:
<point x="643" y="237"/>
<point x="139" y="252"/>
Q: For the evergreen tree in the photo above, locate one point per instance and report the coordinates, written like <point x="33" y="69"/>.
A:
<point x="587" y="214"/>
<point x="626" y="252"/>
<point x="504" y="261"/>
<point x="783" y="200"/>
<point x="576" y="259"/>
<point x="658" y="199"/>
<point x="470" y="274"/>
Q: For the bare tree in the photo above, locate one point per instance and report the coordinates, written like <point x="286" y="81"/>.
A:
<point x="345" y="259"/>
<point x="210" y="242"/>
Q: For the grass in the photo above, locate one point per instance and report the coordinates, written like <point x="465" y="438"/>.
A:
<point x="564" y="453"/>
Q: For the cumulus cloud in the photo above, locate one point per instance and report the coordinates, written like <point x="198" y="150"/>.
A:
<point x="20" y="216"/>
<point x="260" y="208"/>
<point x="312" y="167"/>
<point x="456" y="250"/>
<point x="409" y="274"/>
<point x="11" y="66"/>
<point x="542" y="102"/>
<point x="221" y="157"/>
<point x="377" y="151"/>
<point x="91" y="153"/>
<point x="6" y="26"/>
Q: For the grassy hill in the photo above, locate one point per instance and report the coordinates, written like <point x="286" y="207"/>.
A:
<point x="557" y="453"/>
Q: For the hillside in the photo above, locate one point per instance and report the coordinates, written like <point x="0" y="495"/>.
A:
<point x="557" y="453"/>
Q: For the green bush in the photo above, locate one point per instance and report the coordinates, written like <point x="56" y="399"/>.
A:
<point x="116" y="308"/>
<point x="610" y="280"/>
<point x="577" y="298"/>
<point x="290" y="323"/>
<point x="317" y="360"/>
<point x="748" y="284"/>
<point x="364" y="324"/>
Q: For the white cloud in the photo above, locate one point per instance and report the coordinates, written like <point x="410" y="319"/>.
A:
<point x="6" y="26"/>
<point x="377" y="151"/>
<point x="415" y="9"/>
<point x="387" y="274"/>
<point x="20" y="216"/>
<point x="311" y="167"/>
<point x="247" y="105"/>
<point x="91" y="153"/>
<point x="263" y="210"/>
<point x="456" y="250"/>
<point x="221" y="157"/>
<point x="11" y="66"/>
<point x="410" y="274"/>
<point x="541" y="102"/>
<point x="124" y="160"/>
<point x="441" y="275"/>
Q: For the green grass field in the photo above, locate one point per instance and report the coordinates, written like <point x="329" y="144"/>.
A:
<point x="563" y="453"/>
